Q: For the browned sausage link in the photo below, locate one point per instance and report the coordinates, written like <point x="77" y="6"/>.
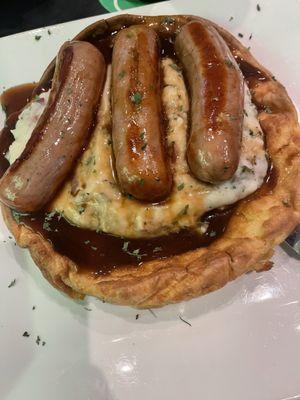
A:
<point x="57" y="140"/>
<point x="217" y="100"/>
<point x="137" y="134"/>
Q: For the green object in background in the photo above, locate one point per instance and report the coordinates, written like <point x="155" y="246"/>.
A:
<point x="117" y="5"/>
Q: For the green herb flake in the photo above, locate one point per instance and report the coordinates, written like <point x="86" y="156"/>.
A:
<point x="258" y="7"/>
<point x="168" y="21"/>
<point x="230" y="19"/>
<point x="180" y="187"/>
<point x="37" y="37"/>
<point x="245" y="113"/>
<point x="143" y="148"/>
<point x="46" y="226"/>
<point x="229" y="63"/>
<point x="142" y="182"/>
<point x="240" y="35"/>
<point x="157" y="249"/>
<point x="136" y="98"/>
<point x="49" y="32"/>
<point x="125" y="246"/>
<point x="183" y="320"/>
<point x="38" y="340"/>
<point x="246" y="169"/>
<point x="121" y="74"/>
<point x="17" y="216"/>
<point x="26" y="334"/>
<point x="137" y="316"/>
<point x="184" y="211"/>
<point x="12" y="283"/>
<point x="175" y="67"/>
<point x="250" y="37"/>
<point x="90" y="161"/>
<point x="94" y="248"/>
<point x="87" y="242"/>
<point x="142" y="135"/>
<point x="268" y="110"/>
<point x="81" y="209"/>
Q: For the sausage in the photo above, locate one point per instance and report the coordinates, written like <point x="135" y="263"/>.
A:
<point x="137" y="132"/>
<point x="217" y="98"/>
<point x="59" y="136"/>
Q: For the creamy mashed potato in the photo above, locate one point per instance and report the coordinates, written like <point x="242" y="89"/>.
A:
<point x="92" y="198"/>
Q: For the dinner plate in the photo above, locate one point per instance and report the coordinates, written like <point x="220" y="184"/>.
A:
<point x="241" y="342"/>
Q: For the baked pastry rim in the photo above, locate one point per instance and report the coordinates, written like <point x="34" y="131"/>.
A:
<point x="259" y="222"/>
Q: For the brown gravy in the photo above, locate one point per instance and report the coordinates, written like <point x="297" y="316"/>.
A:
<point x="100" y="253"/>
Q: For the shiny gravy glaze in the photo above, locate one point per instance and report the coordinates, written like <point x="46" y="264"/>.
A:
<point x="100" y="253"/>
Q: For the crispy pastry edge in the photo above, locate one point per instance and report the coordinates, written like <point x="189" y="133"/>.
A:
<point x="259" y="223"/>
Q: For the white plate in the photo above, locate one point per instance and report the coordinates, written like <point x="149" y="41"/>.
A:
<point x="244" y="342"/>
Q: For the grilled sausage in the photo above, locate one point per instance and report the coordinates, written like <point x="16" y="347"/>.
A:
<point x="59" y="136"/>
<point x="217" y="99"/>
<point x="137" y="134"/>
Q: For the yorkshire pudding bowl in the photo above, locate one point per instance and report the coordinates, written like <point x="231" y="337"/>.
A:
<point x="148" y="211"/>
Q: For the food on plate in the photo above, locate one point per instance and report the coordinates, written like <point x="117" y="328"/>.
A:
<point x="175" y="173"/>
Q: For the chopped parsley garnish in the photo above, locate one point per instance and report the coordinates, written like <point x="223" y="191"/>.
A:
<point x="90" y="160"/>
<point x="142" y="182"/>
<point x="183" y="320"/>
<point x="49" y="32"/>
<point x="37" y="37"/>
<point x="17" y="216"/>
<point x="175" y="67"/>
<point x="168" y="21"/>
<point x="258" y="7"/>
<point x="94" y="248"/>
<point x="87" y="242"/>
<point x="136" y="98"/>
<point x="137" y="316"/>
<point x="247" y="169"/>
<point x="152" y="312"/>
<point x="250" y="37"/>
<point x="268" y="110"/>
<point x="129" y="196"/>
<point x="12" y="283"/>
<point x="121" y="74"/>
<point x="184" y="211"/>
<point x="87" y="309"/>
<point x="229" y="63"/>
<point x="240" y="35"/>
<point x="142" y="135"/>
<point x="134" y="253"/>
<point x="26" y="334"/>
<point x="38" y="340"/>
<point x="144" y="146"/>
<point x="181" y="186"/>
<point x="81" y="209"/>
<point x="125" y="246"/>
<point x="245" y="113"/>
<point x="157" y="249"/>
<point x="230" y="19"/>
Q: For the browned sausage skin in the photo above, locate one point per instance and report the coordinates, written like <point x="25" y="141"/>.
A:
<point x="217" y="100"/>
<point x="57" y="140"/>
<point x="137" y="133"/>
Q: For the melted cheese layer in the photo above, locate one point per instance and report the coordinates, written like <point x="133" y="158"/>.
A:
<point x="92" y="199"/>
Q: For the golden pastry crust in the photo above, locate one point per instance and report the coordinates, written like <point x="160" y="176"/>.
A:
<point x="258" y="224"/>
